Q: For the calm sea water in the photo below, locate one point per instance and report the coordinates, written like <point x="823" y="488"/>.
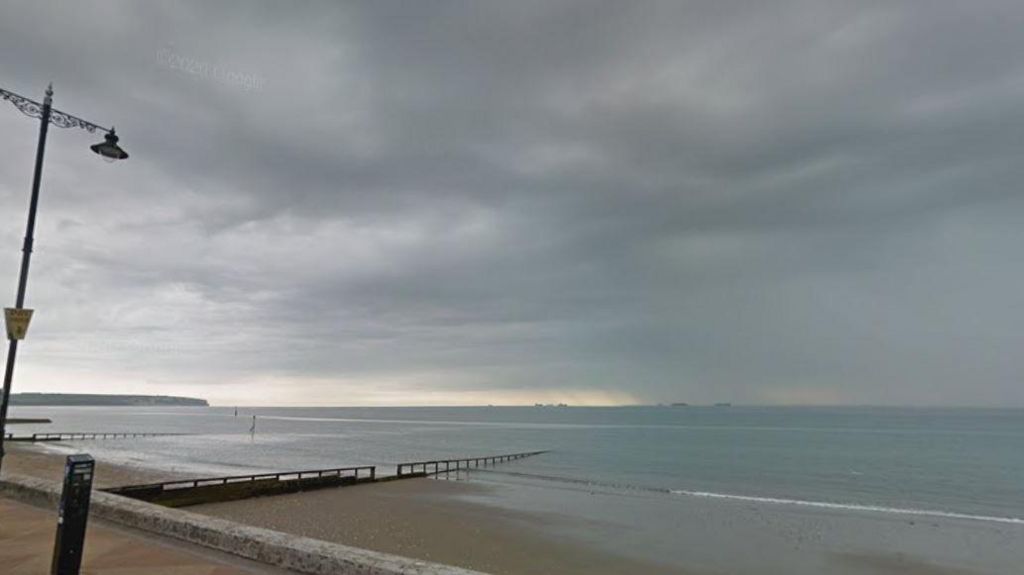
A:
<point x="746" y="491"/>
<point x="940" y="461"/>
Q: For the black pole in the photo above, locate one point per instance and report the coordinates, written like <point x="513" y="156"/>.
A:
<point x="26" y="255"/>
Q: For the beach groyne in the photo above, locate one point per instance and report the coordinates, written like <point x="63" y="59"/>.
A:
<point x="438" y="466"/>
<point x="182" y="493"/>
<point x="299" y="554"/>
<point x="81" y="435"/>
<point x="186" y="492"/>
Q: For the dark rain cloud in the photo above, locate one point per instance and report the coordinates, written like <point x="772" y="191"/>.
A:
<point x="414" y="202"/>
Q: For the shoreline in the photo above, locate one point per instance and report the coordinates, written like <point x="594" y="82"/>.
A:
<point x="504" y="528"/>
<point x="36" y="461"/>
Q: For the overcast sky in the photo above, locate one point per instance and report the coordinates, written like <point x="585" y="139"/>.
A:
<point x="430" y="202"/>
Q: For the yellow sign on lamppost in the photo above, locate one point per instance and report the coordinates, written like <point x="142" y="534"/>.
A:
<point x="17" y="322"/>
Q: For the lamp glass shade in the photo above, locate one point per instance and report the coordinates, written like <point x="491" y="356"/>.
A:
<point x="109" y="149"/>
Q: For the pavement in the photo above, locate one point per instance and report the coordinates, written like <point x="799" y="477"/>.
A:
<point x="26" y="548"/>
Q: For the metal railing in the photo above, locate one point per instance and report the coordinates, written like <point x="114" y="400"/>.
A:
<point x="369" y="473"/>
<point x="448" y="465"/>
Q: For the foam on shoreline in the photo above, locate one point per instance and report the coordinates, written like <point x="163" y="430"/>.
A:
<point x="765" y="500"/>
<point x="848" y="506"/>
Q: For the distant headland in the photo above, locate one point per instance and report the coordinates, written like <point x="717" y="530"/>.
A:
<point x="98" y="399"/>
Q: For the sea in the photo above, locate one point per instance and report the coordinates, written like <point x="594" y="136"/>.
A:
<point x="625" y="469"/>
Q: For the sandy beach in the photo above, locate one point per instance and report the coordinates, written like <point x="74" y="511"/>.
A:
<point x="423" y="518"/>
<point x="418" y="518"/>
<point x="26" y="459"/>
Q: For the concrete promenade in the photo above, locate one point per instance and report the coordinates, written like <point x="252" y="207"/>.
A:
<point x="26" y="547"/>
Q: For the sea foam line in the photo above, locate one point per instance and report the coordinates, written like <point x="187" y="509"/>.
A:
<point x="848" y="506"/>
<point x="764" y="500"/>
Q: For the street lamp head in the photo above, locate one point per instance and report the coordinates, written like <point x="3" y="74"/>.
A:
<point x="109" y="149"/>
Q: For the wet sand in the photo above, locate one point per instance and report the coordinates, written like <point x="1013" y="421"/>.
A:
<point x="457" y="522"/>
<point x="423" y="518"/>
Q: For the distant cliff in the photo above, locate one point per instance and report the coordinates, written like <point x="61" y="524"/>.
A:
<point x="96" y="399"/>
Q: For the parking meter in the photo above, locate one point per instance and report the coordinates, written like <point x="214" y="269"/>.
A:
<point x="72" y="515"/>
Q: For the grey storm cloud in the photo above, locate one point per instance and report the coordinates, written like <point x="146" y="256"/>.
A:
<point x="490" y="202"/>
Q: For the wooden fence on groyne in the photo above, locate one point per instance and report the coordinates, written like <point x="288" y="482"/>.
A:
<point x="215" y="489"/>
<point x="448" y="465"/>
<point x="84" y="435"/>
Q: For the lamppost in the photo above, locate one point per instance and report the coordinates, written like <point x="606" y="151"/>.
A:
<point x="110" y="151"/>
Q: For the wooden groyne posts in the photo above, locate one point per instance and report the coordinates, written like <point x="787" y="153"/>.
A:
<point x="447" y="465"/>
<point x="185" y="492"/>
<point x="84" y="435"/>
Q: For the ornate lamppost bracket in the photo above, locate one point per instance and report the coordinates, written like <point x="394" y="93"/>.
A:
<point x="60" y="119"/>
